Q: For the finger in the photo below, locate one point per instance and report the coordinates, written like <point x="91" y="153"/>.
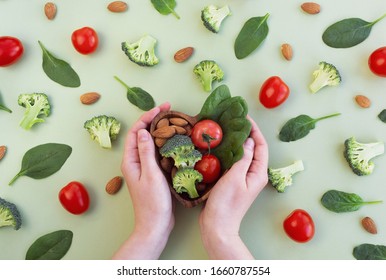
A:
<point x="241" y="167"/>
<point x="146" y="151"/>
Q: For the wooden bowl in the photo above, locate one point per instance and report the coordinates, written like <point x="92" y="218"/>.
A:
<point x="175" y="120"/>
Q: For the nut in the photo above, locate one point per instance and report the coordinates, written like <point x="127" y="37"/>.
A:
<point x="183" y="54"/>
<point x="163" y="122"/>
<point x="89" y="98"/>
<point x="50" y="10"/>
<point x="117" y="6"/>
<point x="369" y="225"/>
<point x="3" y="150"/>
<point x="311" y="8"/>
<point x="164" y="132"/>
<point x="114" y="185"/>
<point x="286" y="50"/>
<point x="362" y="101"/>
<point x="179" y="130"/>
<point x="178" y="121"/>
<point x="159" y="142"/>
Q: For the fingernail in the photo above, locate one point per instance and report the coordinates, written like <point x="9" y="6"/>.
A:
<point x="249" y="143"/>
<point x="143" y="135"/>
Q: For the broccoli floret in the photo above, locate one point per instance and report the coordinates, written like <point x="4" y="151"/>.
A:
<point x="103" y="129"/>
<point x="280" y="178"/>
<point x="9" y="215"/>
<point x="181" y="149"/>
<point x="185" y="180"/>
<point x="142" y="52"/>
<point x="326" y="75"/>
<point x="212" y="17"/>
<point x="36" y="106"/>
<point x="358" y="155"/>
<point x="208" y="71"/>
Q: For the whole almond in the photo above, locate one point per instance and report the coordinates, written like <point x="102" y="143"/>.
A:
<point x="183" y="54"/>
<point x="163" y="122"/>
<point x="159" y="142"/>
<point x="117" y="6"/>
<point x="89" y="98"/>
<point x="178" y="121"/>
<point x="369" y="225"/>
<point x="362" y="101"/>
<point x="286" y="50"/>
<point x="114" y="185"/>
<point x="50" y="10"/>
<point x="179" y="129"/>
<point x="3" y="150"/>
<point x="164" y="132"/>
<point x="311" y="8"/>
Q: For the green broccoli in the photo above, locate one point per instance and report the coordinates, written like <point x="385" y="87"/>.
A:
<point x="37" y="105"/>
<point x="208" y="71"/>
<point x="181" y="149"/>
<point x="326" y="75"/>
<point x="280" y="178"/>
<point x="142" y="51"/>
<point x="358" y="155"/>
<point x="103" y="129"/>
<point x="9" y="215"/>
<point x="185" y="180"/>
<point x="213" y="16"/>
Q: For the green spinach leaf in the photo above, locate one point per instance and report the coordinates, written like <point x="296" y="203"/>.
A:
<point x="299" y="127"/>
<point x="43" y="161"/>
<point x="3" y="107"/>
<point x="252" y="34"/>
<point x="52" y="246"/>
<point x="210" y="107"/>
<point x="58" y="70"/>
<point x="138" y="97"/>
<point x="370" y="252"/>
<point x="348" y="32"/>
<point x="338" y="201"/>
<point x="382" y="115"/>
<point x="165" y="7"/>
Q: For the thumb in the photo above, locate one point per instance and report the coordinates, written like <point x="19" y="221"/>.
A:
<point x="242" y="166"/>
<point x="146" y="152"/>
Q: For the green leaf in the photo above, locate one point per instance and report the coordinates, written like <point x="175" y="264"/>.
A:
<point x="210" y="107"/>
<point x="58" y="70"/>
<point x="43" y="161"/>
<point x="370" y="252"/>
<point x="299" y="127"/>
<point x="4" y="108"/>
<point x="382" y="115"/>
<point x="52" y="246"/>
<point x="348" y="32"/>
<point x="338" y="201"/>
<point x="165" y="7"/>
<point x="253" y="33"/>
<point x="138" y="97"/>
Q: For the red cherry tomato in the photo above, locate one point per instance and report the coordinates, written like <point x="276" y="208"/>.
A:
<point x="210" y="168"/>
<point x="377" y="62"/>
<point x="273" y="92"/>
<point x="74" y="198"/>
<point x="206" y="133"/>
<point x="299" y="226"/>
<point x="11" y="49"/>
<point x="85" y="40"/>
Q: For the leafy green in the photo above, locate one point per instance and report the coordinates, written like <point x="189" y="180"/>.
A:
<point x="338" y="201"/>
<point x="3" y="107"/>
<point x="370" y="252"/>
<point x="138" y="97"/>
<point x="59" y="70"/>
<point x="252" y="34"/>
<point x="298" y="127"/>
<point x="51" y="246"/>
<point x="43" y="161"/>
<point x="165" y="7"/>
<point x="382" y="115"/>
<point x="348" y="32"/>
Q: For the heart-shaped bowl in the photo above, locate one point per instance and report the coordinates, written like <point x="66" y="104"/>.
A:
<point x="164" y="126"/>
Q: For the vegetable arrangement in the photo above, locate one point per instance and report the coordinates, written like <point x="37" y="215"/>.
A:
<point x="197" y="171"/>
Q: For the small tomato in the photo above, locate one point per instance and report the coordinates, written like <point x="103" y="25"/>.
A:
<point x="74" y="198"/>
<point x="299" y="226"/>
<point x="206" y="134"/>
<point x="85" y="40"/>
<point x="11" y="50"/>
<point x="210" y="168"/>
<point x="377" y="62"/>
<point x="273" y="92"/>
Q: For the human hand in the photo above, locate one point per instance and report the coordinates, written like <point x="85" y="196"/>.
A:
<point x="230" y="199"/>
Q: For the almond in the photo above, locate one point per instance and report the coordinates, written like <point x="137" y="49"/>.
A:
<point x="286" y="50"/>
<point x="114" y="185"/>
<point x="369" y="225"/>
<point x="362" y="101"/>
<point x="179" y="130"/>
<point x="50" y="10"/>
<point x="163" y="122"/>
<point x="183" y="54"/>
<point x="159" y="142"/>
<point x="164" y="132"/>
<point x="3" y="150"/>
<point x="89" y="98"/>
<point x="178" y="121"/>
<point x="117" y="6"/>
<point x="311" y="8"/>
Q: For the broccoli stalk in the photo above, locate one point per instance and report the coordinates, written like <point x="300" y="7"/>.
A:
<point x="208" y="71"/>
<point x="142" y="51"/>
<point x="359" y="155"/>
<point x="36" y="105"/>
<point x="213" y="16"/>
<point x="280" y="178"/>
<point x="326" y="75"/>
<point x="9" y="215"/>
<point x="185" y="180"/>
<point x="103" y="129"/>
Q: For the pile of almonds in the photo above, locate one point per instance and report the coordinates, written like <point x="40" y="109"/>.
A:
<point x="168" y="127"/>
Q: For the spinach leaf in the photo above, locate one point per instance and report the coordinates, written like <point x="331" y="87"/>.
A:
<point x="52" y="246"/>
<point x="348" y="32"/>
<point x="165" y="7"/>
<point x="298" y="127"/>
<point x="58" y="70"/>
<point x="43" y="161"/>
<point x="252" y="34"/>
<point x="338" y="201"/>
<point x="382" y="115"/>
<point x="4" y="108"/>
<point x="138" y="97"/>
<point x="370" y="252"/>
<point x="210" y="107"/>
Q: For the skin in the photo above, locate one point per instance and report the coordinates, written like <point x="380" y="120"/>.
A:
<point x="221" y="215"/>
